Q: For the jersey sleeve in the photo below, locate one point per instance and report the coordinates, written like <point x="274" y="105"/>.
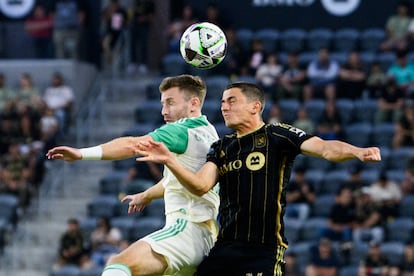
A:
<point x="174" y="136"/>
<point x="294" y="136"/>
<point x="213" y="153"/>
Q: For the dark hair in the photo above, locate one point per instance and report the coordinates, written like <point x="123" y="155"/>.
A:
<point x="252" y="92"/>
<point x="191" y="86"/>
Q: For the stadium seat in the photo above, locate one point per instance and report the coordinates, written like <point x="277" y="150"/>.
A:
<point x="314" y="109"/>
<point x="144" y="226"/>
<point x="370" y="175"/>
<point x="358" y="134"/>
<point x="244" y="37"/>
<point x="152" y="91"/>
<point x="359" y="252"/>
<point x="292" y="229"/>
<point x="93" y="271"/>
<point x="346" y="39"/>
<point x="339" y="56"/>
<point x="350" y="270"/>
<point x="367" y="58"/>
<point x="393" y="251"/>
<point x="156" y="209"/>
<point x="302" y="252"/>
<point x="316" y="163"/>
<point x="382" y="134"/>
<point x="407" y="206"/>
<point x="332" y="181"/>
<point x="111" y="183"/>
<point x="173" y="65"/>
<point x="87" y="225"/>
<point x="124" y="224"/>
<point x="386" y="59"/>
<point x="398" y="158"/>
<point x="319" y="38"/>
<point x="149" y="112"/>
<point x="8" y="208"/>
<point x="211" y="108"/>
<point x="223" y="130"/>
<point x="289" y="108"/>
<point x="396" y="175"/>
<point x="67" y="270"/>
<point x="315" y="177"/>
<point x="400" y="229"/>
<point x="138" y="129"/>
<point x="306" y="57"/>
<point x="311" y="228"/>
<point x="269" y="39"/>
<point x="364" y="110"/>
<point x="371" y="38"/>
<point x="215" y="87"/>
<point x="322" y="205"/>
<point x="103" y="206"/>
<point x="345" y="108"/>
<point x="292" y="40"/>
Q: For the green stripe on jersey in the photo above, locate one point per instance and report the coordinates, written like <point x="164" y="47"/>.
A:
<point x="175" y="135"/>
<point x="170" y="232"/>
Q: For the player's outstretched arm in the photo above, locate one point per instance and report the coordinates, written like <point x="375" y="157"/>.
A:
<point x="138" y="202"/>
<point x="197" y="183"/>
<point x="338" y="151"/>
<point x="119" y="148"/>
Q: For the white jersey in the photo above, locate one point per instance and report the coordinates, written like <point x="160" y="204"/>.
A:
<point x="190" y="140"/>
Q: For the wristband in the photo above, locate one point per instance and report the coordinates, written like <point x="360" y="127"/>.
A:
<point x="92" y="153"/>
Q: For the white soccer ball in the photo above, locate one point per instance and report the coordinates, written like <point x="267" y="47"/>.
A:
<point x="203" y="45"/>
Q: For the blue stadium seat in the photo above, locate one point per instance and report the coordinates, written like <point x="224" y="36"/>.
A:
<point x="289" y="108"/>
<point x="306" y="57"/>
<point x="125" y="224"/>
<point x="103" y="206"/>
<point x="173" y="64"/>
<point x="400" y="229"/>
<point x="364" y="110"/>
<point x="367" y="58"/>
<point x="93" y="271"/>
<point x="144" y="226"/>
<point x="211" y="108"/>
<point x="223" y="130"/>
<point x="315" y="109"/>
<point x="393" y="250"/>
<point x="316" y="163"/>
<point x="346" y="39"/>
<point x="215" y="87"/>
<point x="156" y="209"/>
<point x="350" y="270"/>
<point x="8" y="208"/>
<point x="386" y="59"/>
<point x="358" y="134"/>
<point x="339" y="56"/>
<point x="293" y="229"/>
<point x="269" y="39"/>
<point x="315" y="177"/>
<point x="311" y="229"/>
<point x="319" y="38"/>
<point x="292" y="40"/>
<point x="322" y="205"/>
<point x="332" y="181"/>
<point x="244" y="37"/>
<point x="370" y="175"/>
<point x="371" y="38"/>
<point x="345" y="108"/>
<point x="382" y="134"/>
<point x="152" y="91"/>
<point x="407" y="206"/>
<point x="398" y="158"/>
<point x="67" y="270"/>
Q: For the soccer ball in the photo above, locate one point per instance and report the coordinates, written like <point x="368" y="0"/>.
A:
<point x="203" y="45"/>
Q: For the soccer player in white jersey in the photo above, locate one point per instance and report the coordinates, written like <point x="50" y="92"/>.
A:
<point x="191" y="219"/>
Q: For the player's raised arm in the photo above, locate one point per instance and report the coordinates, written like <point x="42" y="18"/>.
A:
<point x="338" y="151"/>
<point x="197" y="183"/>
<point x="119" y="148"/>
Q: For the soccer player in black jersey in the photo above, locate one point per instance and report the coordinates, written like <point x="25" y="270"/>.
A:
<point x="252" y="167"/>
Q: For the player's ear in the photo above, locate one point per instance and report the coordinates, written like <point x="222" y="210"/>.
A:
<point x="257" y="107"/>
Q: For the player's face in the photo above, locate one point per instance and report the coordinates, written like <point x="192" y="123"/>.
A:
<point x="235" y="108"/>
<point x="174" y="105"/>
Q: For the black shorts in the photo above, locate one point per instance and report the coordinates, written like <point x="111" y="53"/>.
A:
<point x="241" y="259"/>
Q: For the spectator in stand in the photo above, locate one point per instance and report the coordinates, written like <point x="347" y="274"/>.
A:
<point x="397" y="28"/>
<point x="303" y="121"/>
<point x="355" y="181"/>
<point x="322" y="74"/>
<point x="268" y="74"/>
<point x="406" y="266"/>
<point x="404" y="128"/>
<point x="115" y="19"/>
<point x="329" y="125"/>
<point x="300" y="196"/>
<point x="375" y="263"/>
<point x="407" y="184"/>
<point x="214" y="15"/>
<point x="177" y="27"/>
<point x="39" y="26"/>
<point x="60" y="98"/>
<point x="376" y="81"/>
<point x="292" y="80"/>
<point x="390" y="103"/>
<point x="387" y="195"/>
<point x="275" y="114"/>
<point x="6" y="94"/>
<point x="16" y="175"/>
<point x="71" y="246"/>
<point x="143" y="13"/>
<point x="403" y="73"/>
<point x="105" y="241"/>
<point x="69" y="17"/>
<point x="323" y="260"/>
<point x="291" y="265"/>
<point x="28" y="95"/>
<point x="352" y="78"/>
<point x="235" y="55"/>
<point x="340" y="221"/>
<point x="256" y="56"/>
<point x="368" y="223"/>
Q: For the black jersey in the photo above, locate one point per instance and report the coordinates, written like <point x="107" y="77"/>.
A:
<point x="253" y="173"/>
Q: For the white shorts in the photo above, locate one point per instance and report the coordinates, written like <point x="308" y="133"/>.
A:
<point x="184" y="244"/>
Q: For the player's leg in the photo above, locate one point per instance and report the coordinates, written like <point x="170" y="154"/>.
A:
<point x="137" y="259"/>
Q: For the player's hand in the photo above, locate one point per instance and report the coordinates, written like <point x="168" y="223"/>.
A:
<point x="137" y="203"/>
<point x="64" y="153"/>
<point x="371" y="154"/>
<point x="153" y="152"/>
